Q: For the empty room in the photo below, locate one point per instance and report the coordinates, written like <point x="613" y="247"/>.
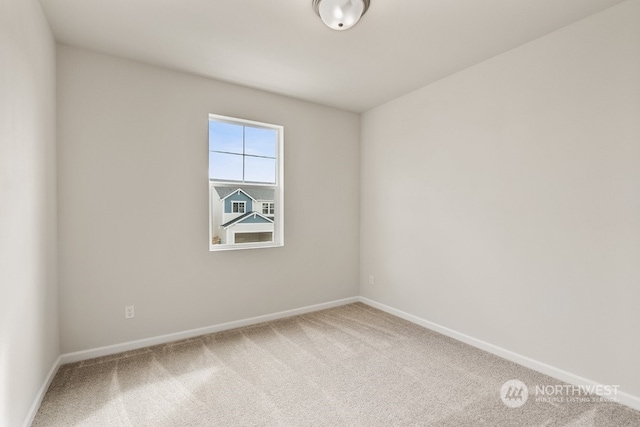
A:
<point x="319" y="212"/>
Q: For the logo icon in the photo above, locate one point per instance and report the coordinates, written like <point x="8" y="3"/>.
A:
<point x="514" y="393"/>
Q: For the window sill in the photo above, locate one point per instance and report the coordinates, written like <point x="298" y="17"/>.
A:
<point x="239" y="246"/>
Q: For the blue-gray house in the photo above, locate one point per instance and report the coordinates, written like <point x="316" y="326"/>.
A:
<point x="242" y="214"/>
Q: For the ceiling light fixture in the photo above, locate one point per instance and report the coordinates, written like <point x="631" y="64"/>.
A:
<point x="340" y="14"/>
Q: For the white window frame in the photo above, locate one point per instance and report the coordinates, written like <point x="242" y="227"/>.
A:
<point x="239" y="203"/>
<point x="278" y="203"/>
<point x="270" y="206"/>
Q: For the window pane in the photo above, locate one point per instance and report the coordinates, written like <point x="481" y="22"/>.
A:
<point x="227" y="167"/>
<point x="225" y="137"/>
<point x="260" y="142"/>
<point x="267" y="209"/>
<point x="258" y="169"/>
<point x="238" y="207"/>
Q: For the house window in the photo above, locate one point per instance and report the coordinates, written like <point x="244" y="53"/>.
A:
<point x="268" y="208"/>
<point x="245" y="184"/>
<point x="238" y="207"/>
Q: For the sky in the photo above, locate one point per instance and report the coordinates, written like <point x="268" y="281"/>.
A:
<point x="242" y="153"/>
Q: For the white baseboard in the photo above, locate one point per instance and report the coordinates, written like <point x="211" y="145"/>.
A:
<point x="31" y="415"/>
<point x="162" y="339"/>
<point x="560" y="374"/>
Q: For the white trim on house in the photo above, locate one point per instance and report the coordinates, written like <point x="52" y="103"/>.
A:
<point x="238" y="203"/>
<point x="270" y="206"/>
<point x="233" y="193"/>
<point x="240" y="219"/>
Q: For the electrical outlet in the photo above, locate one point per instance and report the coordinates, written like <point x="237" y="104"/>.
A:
<point x="129" y="313"/>
<point x="371" y="282"/>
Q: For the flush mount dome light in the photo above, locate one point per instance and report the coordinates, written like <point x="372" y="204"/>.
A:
<point x="340" y="14"/>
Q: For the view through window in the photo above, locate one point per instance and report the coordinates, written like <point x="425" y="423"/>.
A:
<point x="245" y="183"/>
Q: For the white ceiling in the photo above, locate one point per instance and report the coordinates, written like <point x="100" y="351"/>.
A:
<point x="282" y="46"/>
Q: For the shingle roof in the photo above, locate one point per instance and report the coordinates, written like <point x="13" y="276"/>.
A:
<point x="242" y="218"/>
<point x="258" y="193"/>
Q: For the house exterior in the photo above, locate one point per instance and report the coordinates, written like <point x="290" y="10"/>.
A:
<point x="242" y="214"/>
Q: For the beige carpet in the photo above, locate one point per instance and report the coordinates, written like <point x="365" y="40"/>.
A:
<point x="347" y="366"/>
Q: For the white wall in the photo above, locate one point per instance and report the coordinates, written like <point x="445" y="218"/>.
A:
<point x="521" y="179"/>
<point x="28" y="286"/>
<point x="133" y="204"/>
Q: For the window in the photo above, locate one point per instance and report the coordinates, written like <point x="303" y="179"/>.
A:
<point x="245" y="184"/>
<point x="268" y="208"/>
<point x="238" y="207"/>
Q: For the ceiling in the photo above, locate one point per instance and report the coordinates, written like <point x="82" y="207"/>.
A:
<point x="282" y="46"/>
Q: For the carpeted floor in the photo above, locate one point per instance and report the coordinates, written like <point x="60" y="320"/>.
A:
<point x="346" y="366"/>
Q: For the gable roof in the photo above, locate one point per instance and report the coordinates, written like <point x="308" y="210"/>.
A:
<point x="256" y="193"/>
<point x="243" y="217"/>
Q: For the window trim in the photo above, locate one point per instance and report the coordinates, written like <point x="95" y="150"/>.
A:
<point x="278" y="203"/>
<point x="239" y="203"/>
<point x="270" y="206"/>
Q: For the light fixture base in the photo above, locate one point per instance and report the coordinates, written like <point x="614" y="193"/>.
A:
<point x="343" y="20"/>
